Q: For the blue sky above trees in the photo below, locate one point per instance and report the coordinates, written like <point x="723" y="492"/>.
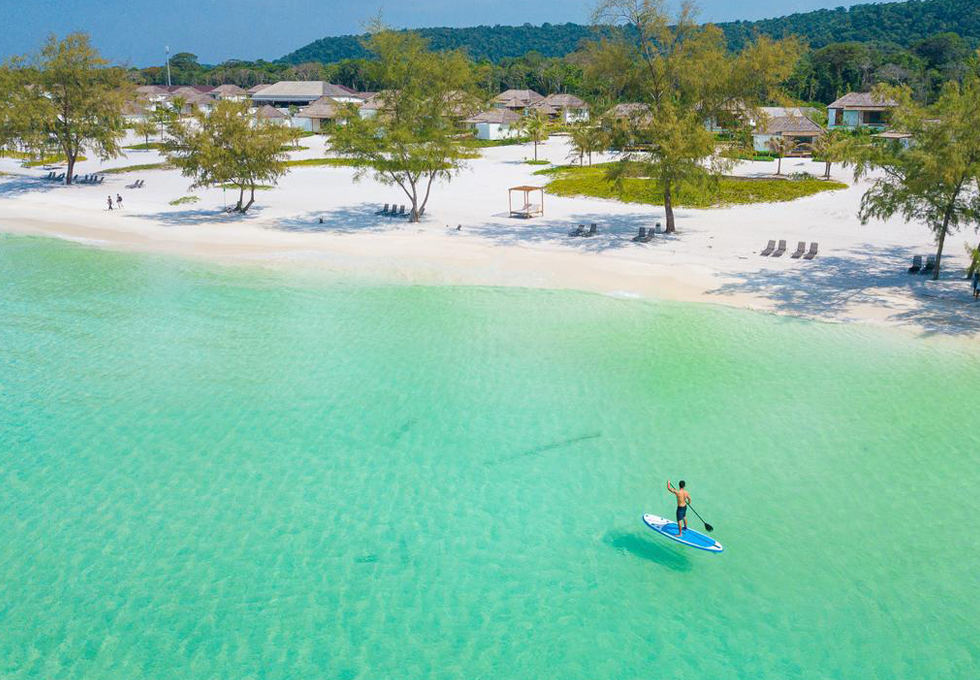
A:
<point x="136" y="31"/>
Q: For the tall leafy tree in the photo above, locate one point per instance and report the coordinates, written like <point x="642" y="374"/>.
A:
<point x="933" y="179"/>
<point x="685" y="75"/>
<point x="415" y="137"/>
<point x="69" y="98"/>
<point x="228" y="145"/>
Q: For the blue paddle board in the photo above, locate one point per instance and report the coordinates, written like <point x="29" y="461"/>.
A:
<point x="690" y="537"/>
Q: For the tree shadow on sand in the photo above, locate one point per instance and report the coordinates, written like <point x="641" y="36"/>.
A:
<point x="825" y="287"/>
<point x="358" y="219"/>
<point x="615" y="232"/>
<point x="180" y="218"/>
<point x="18" y="185"/>
<point x="647" y="549"/>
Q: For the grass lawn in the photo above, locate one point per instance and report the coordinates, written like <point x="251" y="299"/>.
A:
<point x="335" y="162"/>
<point x="32" y="161"/>
<point x="185" y="200"/>
<point x="137" y="168"/>
<point x="145" y="146"/>
<point x="485" y="143"/>
<point x="258" y="187"/>
<point x="591" y="181"/>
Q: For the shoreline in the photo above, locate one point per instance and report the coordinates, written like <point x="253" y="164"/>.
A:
<point x="410" y="259"/>
<point x="858" y="277"/>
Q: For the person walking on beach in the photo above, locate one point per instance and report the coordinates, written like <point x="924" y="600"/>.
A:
<point x="109" y="199"/>
<point x="119" y="201"/>
<point x="683" y="498"/>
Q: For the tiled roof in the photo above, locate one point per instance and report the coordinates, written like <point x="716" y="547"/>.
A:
<point x="862" y="100"/>
<point x="791" y="125"/>
<point x="494" y="116"/>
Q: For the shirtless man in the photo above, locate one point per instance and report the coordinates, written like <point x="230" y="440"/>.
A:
<point x="683" y="498"/>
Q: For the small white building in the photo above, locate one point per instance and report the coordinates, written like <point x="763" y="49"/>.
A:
<point x="495" y="124"/>
<point x="566" y="108"/>
<point x="319" y="114"/>
<point x="271" y="114"/>
<point x="800" y="129"/>
<point x="228" y="91"/>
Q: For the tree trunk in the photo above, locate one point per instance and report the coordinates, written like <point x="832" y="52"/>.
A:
<point x="826" y="173"/>
<point x="251" y="200"/>
<point x="668" y="209"/>
<point x="779" y="166"/>
<point x="71" y="168"/>
<point x="241" y="197"/>
<point x="939" y="248"/>
<point x="942" y="233"/>
<point x="535" y="148"/>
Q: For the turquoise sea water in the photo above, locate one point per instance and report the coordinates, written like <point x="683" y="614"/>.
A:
<point x="215" y="472"/>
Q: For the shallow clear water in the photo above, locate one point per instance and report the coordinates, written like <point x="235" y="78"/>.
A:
<point x="220" y="472"/>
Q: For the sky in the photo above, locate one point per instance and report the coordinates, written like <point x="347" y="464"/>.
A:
<point x="136" y="32"/>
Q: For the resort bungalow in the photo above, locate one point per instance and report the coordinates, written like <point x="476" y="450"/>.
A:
<point x="800" y="129"/>
<point x="272" y="115"/>
<point x="495" y="124"/>
<point x="324" y="110"/>
<point x="232" y="92"/>
<point x="153" y="93"/>
<point x="516" y="100"/>
<point x="859" y="109"/>
<point x="288" y="93"/>
<point x="566" y="108"/>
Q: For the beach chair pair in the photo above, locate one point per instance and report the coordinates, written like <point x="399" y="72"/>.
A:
<point x="643" y="236"/>
<point x="918" y="268"/>
<point x="394" y="212"/>
<point x="138" y="184"/>
<point x="50" y="175"/>
<point x="801" y="252"/>
<point x="581" y="231"/>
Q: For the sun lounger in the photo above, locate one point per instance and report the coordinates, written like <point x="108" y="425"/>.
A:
<point x="930" y="265"/>
<point x="800" y="249"/>
<point x="916" y="265"/>
<point x="593" y="230"/>
<point x="658" y="229"/>
<point x="101" y="179"/>
<point x="401" y="212"/>
<point x="383" y="211"/>
<point x="769" y="248"/>
<point x="578" y="231"/>
<point x="812" y="253"/>
<point x="641" y="237"/>
<point x="778" y="252"/>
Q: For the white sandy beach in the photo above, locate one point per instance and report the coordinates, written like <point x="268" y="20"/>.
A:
<point x="859" y="275"/>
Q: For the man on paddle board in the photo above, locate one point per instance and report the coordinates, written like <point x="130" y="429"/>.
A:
<point x="683" y="498"/>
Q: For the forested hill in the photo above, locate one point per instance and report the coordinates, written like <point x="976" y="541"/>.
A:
<point x="899" y="22"/>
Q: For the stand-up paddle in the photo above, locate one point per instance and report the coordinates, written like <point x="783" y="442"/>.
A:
<point x="707" y="527"/>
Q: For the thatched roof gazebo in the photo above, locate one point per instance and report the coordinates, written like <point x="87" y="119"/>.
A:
<point x="527" y="209"/>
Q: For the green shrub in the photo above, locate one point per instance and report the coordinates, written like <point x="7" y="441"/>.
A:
<point x="137" y="168"/>
<point x="185" y="200"/>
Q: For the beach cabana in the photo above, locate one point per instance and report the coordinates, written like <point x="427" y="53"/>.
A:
<point x="527" y="209"/>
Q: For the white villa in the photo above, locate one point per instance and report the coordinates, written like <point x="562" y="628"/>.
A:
<point x="859" y="109"/>
<point x="495" y="124"/>
<point x="564" y="107"/>
<point x="311" y="118"/>
<point x="272" y="115"/>
<point x="232" y="92"/>
<point x="800" y="129"/>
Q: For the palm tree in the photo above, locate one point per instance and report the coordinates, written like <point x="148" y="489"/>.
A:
<point x="781" y="146"/>
<point x="535" y="124"/>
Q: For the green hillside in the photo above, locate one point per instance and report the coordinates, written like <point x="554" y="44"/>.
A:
<point x="901" y="23"/>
